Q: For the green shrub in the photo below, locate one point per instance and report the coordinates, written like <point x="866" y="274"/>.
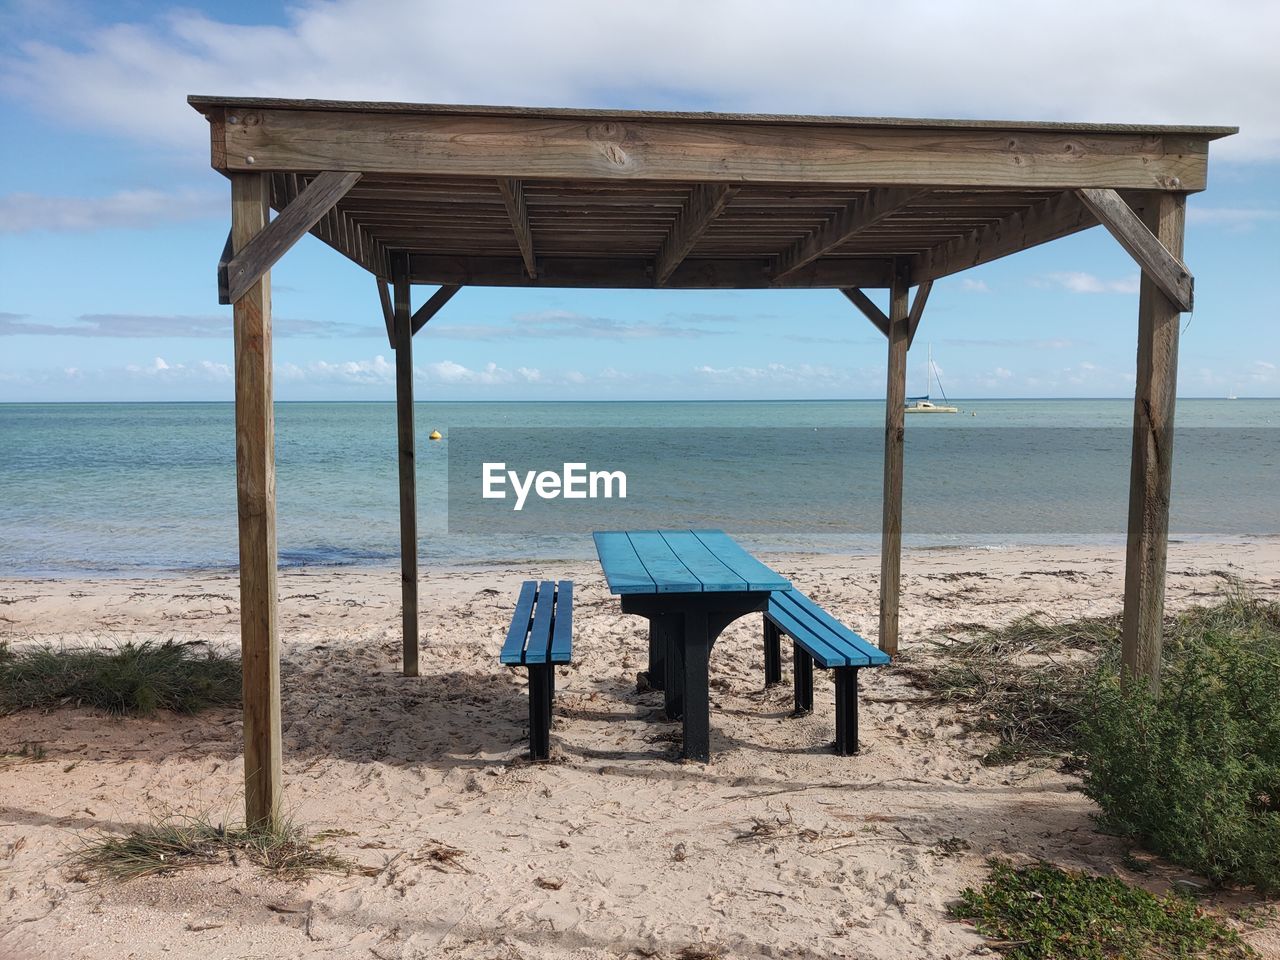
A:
<point x="1195" y="774"/>
<point x="1043" y="913"/>
<point x="136" y="678"/>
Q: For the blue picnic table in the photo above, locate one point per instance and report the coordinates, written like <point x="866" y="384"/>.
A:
<point x="690" y="584"/>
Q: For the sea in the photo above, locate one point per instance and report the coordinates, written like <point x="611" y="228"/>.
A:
<point x="150" y="488"/>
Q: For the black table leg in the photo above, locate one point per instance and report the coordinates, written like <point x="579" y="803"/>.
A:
<point x="846" y="711"/>
<point x="658" y="653"/>
<point x="803" y="664"/>
<point x="696" y="643"/>
<point x="673" y="688"/>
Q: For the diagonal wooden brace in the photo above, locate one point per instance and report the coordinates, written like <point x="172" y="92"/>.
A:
<point x="260" y="254"/>
<point x="877" y="316"/>
<point x="1165" y="270"/>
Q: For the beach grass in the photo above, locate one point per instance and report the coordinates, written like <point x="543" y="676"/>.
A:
<point x="1027" y="683"/>
<point x="173" y="843"/>
<point x="1041" y="912"/>
<point x="136" y="678"/>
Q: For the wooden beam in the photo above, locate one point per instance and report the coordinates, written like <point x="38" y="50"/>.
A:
<point x="256" y="501"/>
<point x="868" y="307"/>
<point x="388" y="312"/>
<point x="917" y="310"/>
<point x="429" y="309"/>
<point x="408" y="480"/>
<point x="702" y="150"/>
<point x="1166" y="270"/>
<point x="269" y="245"/>
<point x="228" y="252"/>
<point x="518" y="212"/>
<point x="1151" y="471"/>
<point x="857" y="215"/>
<point x="894" y="429"/>
<point x="705" y="203"/>
<point x="1059" y="216"/>
<point x="618" y="273"/>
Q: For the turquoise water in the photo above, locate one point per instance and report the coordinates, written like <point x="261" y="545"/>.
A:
<point x="151" y="487"/>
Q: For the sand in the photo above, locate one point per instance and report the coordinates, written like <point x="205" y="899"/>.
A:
<point x="777" y="848"/>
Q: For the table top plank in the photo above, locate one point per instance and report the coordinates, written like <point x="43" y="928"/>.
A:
<point x="623" y="568"/>
<point x="731" y="553"/>
<point x="669" y="574"/>
<point x="562" y="631"/>
<point x="517" y="635"/>
<point x="701" y="562"/>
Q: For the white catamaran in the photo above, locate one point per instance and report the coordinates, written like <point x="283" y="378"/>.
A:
<point x="925" y="404"/>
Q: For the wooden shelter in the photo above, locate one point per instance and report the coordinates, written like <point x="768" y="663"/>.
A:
<point x="501" y="196"/>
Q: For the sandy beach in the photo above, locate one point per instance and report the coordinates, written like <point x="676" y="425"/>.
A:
<point x="777" y="848"/>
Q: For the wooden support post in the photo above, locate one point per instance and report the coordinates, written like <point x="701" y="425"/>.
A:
<point x="894" y="423"/>
<point x="256" y="502"/>
<point x="408" y="484"/>
<point x="1151" y="471"/>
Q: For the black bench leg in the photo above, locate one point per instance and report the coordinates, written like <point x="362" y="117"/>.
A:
<point x="673" y="687"/>
<point x="804" y="679"/>
<point x="657" y="654"/>
<point x="772" y="653"/>
<point x="846" y="711"/>
<point x="541" y="685"/>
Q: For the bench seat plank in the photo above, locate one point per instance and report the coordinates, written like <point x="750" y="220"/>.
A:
<point x="562" y="632"/>
<point x="826" y="654"/>
<point x="513" y="648"/>
<point x="854" y="651"/>
<point x="540" y="629"/>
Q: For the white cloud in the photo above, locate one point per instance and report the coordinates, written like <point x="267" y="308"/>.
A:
<point x="1232" y="219"/>
<point x="774" y="374"/>
<point x="565" y="324"/>
<point x="161" y="370"/>
<point x="1077" y="281"/>
<point x="974" y="286"/>
<point x="132" y="209"/>
<point x="359" y="372"/>
<point x="719" y="54"/>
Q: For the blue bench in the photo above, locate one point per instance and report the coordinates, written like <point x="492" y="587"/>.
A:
<point x="817" y="637"/>
<point x="540" y="638"/>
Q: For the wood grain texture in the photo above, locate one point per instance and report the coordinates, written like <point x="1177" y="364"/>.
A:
<point x="894" y="432"/>
<point x="917" y="310"/>
<point x="854" y="218"/>
<point x="433" y="306"/>
<point x="210" y="105"/>
<point x="868" y="308"/>
<point x="258" y="256"/>
<point x="658" y="149"/>
<point x="388" y="312"/>
<point x="1151" y="471"/>
<point x="705" y="203"/>
<point x="1047" y="220"/>
<point x="518" y="213"/>
<point x="632" y="272"/>
<point x="256" y="507"/>
<point x="407" y="451"/>
<point x="1166" y="270"/>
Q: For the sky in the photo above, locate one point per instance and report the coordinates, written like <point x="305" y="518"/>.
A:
<point x="111" y="221"/>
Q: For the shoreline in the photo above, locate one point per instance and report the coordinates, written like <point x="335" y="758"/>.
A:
<point x="511" y="563"/>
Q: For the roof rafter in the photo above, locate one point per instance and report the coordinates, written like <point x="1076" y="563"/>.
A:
<point x="705" y="203"/>
<point x="518" y="212"/>
<point x="856" y="216"/>
<point x="1058" y="216"/>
